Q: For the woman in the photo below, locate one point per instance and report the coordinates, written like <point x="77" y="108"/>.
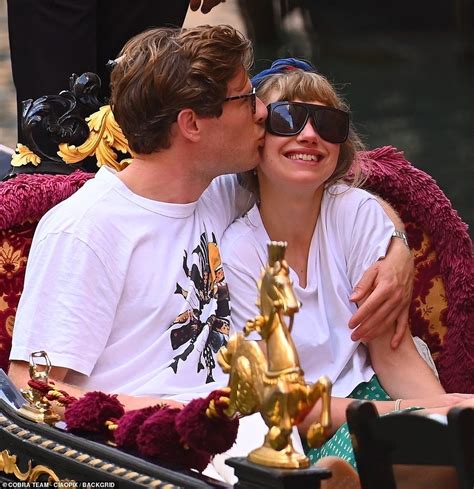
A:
<point x="334" y="232"/>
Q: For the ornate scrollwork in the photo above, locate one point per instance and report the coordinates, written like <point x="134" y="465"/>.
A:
<point x="105" y="134"/>
<point x="56" y="119"/>
<point x="24" y="155"/>
<point x="8" y="465"/>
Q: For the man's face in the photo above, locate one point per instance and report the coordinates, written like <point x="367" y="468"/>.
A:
<point x="237" y="136"/>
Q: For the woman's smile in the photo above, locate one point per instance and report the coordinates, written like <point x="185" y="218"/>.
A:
<point x="305" y="155"/>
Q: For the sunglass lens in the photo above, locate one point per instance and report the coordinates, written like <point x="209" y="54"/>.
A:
<point x="332" y="126"/>
<point x="287" y="119"/>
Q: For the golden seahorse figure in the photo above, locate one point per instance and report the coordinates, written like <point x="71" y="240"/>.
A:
<point x="273" y="383"/>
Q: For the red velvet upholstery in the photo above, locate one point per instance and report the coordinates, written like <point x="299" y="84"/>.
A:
<point x="23" y="201"/>
<point x="15" y="243"/>
<point x="442" y="309"/>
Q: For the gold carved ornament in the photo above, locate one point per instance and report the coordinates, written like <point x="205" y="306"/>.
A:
<point x="24" y="155"/>
<point x="105" y="135"/>
<point x="8" y="465"/>
<point x="273" y="383"/>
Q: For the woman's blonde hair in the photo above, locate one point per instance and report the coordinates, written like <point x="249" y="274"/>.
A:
<point x="305" y="86"/>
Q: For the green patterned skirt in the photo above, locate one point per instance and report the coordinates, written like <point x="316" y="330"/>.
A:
<point x="339" y="445"/>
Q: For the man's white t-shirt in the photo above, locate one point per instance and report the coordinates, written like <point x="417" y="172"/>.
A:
<point x="129" y="293"/>
<point x="352" y="232"/>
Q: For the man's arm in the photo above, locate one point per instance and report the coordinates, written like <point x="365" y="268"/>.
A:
<point x="385" y="290"/>
<point x="20" y="376"/>
<point x="62" y="274"/>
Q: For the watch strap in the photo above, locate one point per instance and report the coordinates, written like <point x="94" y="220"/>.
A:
<point x="401" y="235"/>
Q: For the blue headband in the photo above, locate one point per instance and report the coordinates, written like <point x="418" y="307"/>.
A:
<point x="282" y="65"/>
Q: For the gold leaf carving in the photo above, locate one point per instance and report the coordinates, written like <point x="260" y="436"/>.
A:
<point x="24" y="155"/>
<point x="8" y="465"/>
<point x="105" y="136"/>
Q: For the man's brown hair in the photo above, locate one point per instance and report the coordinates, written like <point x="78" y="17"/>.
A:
<point x="162" y="71"/>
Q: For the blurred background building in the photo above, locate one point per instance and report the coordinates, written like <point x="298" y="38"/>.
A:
<point x="407" y="69"/>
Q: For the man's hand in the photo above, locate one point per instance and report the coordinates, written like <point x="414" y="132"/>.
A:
<point x="385" y="292"/>
<point x="207" y="5"/>
<point x="19" y="374"/>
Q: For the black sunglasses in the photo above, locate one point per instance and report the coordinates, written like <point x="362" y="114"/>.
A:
<point x="251" y="95"/>
<point x="290" y="118"/>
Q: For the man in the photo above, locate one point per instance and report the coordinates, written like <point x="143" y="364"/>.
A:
<point x="136" y="302"/>
<point x="124" y="287"/>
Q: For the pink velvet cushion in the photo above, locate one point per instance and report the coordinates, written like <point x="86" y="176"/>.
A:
<point x="23" y="201"/>
<point x="442" y="309"/>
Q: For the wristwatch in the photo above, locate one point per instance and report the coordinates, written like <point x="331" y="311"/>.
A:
<point x="402" y="235"/>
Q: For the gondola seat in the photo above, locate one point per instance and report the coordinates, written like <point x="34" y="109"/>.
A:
<point x="23" y="201"/>
<point x="442" y="307"/>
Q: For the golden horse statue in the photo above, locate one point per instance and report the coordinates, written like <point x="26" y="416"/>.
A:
<point x="273" y="383"/>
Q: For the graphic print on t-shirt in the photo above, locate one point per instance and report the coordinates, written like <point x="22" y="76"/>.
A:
<point x="204" y="326"/>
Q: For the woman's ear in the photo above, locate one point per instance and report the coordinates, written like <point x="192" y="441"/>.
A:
<point x="188" y="125"/>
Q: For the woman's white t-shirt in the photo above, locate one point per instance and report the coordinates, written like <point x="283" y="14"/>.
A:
<point x="352" y="232"/>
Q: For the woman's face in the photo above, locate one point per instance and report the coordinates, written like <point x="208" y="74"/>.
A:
<point x="302" y="162"/>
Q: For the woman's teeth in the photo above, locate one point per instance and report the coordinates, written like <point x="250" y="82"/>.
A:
<point x="305" y="157"/>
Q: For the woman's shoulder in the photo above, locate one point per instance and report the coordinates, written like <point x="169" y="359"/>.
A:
<point x="344" y="208"/>
<point x="341" y="197"/>
<point x="343" y="193"/>
<point x="243" y="239"/>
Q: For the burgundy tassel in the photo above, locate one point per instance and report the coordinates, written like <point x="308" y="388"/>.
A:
<point x="186" y="437"/>
<point x="126" y="433"/>
<point x="91" y="411"/>
<point x="158" y="439"/>
<point x="207" y="433"/>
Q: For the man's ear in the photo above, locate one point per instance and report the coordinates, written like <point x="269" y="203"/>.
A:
<point x="188" y="124"/>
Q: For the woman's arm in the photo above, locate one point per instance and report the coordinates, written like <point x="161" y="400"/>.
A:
<point x="402" y="372"/>
<point x="385" y="288"/>
<point x="436" y="404"/>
